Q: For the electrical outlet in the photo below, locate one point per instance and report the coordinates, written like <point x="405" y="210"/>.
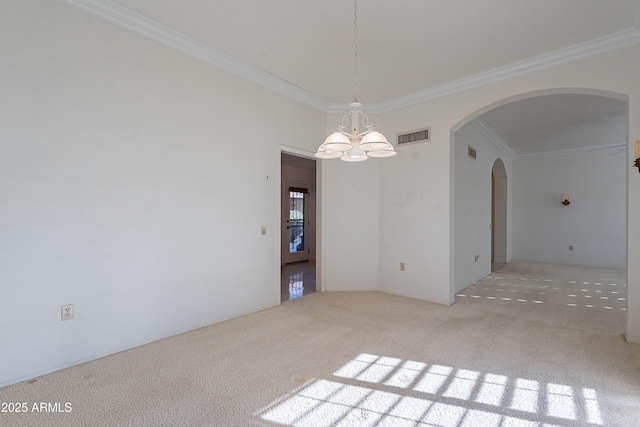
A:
<point x="67" y="312"/>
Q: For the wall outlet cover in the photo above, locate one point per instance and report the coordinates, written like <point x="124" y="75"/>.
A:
<point x="67" y="312"/>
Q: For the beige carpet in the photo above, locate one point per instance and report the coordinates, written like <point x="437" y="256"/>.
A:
<point x="530" y="345"/>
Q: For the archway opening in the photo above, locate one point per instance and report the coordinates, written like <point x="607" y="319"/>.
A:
<point x="498" y="215"/>
<point x="539" y="228"/>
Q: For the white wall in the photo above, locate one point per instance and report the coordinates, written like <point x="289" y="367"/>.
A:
<point x="414" y="212"/>
<point x="350" y="246"/>
<point x="472" y="197"/>
<point x="595" y="222"/>
<point x="133" y="184"/>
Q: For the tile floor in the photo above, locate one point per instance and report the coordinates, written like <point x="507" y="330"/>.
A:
<point x="584" y="297"/>
<point x="297" y="279"/>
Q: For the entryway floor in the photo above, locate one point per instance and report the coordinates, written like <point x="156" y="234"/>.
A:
<point x="297" y="279"/>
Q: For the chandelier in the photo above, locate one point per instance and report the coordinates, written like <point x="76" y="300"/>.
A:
<point x="359" y="140"/>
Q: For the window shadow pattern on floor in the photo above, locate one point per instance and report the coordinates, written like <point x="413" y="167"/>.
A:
<point x="373" y="390"/>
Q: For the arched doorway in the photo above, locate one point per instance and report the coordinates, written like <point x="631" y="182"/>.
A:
<point x="498" y="215"/>
<point x="501" y="231"/>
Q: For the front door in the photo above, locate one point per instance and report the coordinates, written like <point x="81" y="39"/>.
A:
<point x="296" y="225"/>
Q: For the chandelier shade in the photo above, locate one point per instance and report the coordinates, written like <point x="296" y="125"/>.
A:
<point x="329" y="154"/>
<point x="354" y="145"/>
<point x="337" y="141"/>
<point x="354" y="155"/>
<point x="374" y="141"/>
<point x="382" y="153"/>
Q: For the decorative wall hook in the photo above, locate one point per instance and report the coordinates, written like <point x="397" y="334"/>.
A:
<point x="637" y="162"/>
<point x="566" y="199"/>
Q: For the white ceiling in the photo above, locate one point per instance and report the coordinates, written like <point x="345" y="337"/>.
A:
<point x="552" y="124"/>
<point x="406" y="48"/>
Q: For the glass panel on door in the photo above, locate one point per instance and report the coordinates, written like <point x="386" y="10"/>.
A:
<point x="296" y="221"/>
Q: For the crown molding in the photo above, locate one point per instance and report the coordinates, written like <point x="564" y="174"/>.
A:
<point x="576" y="150"/>
<point x="627" y="37"/>
<point x="155" y="31"/>
<point x="490" y="134"/>
<point x="136" y="23"/>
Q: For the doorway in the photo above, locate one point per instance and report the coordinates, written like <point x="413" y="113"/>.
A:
<point x="498" y="215"/>
<point x="298" y="227"/>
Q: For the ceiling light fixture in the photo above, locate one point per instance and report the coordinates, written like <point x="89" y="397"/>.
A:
<point x="354" y="145"/>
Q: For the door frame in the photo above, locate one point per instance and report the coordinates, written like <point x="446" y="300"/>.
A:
<point x="319" y="210"/>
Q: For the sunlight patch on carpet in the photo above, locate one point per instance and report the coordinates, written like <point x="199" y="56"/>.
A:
<point x="372" y="390"/>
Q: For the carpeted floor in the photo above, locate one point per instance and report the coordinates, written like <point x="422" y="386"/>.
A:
<point x="530" y="345"/>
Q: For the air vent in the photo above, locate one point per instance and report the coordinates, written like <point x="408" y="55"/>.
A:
<point x="420" y="135"/>
<point x="472" y="152"/>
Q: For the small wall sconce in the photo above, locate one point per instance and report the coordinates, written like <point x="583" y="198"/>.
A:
<point x="637" y="162"/>
<point x="566" y="199"/>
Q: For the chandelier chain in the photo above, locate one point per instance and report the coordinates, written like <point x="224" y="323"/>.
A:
<point x="355" y="51"/>
<point x="353" y="143"/>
